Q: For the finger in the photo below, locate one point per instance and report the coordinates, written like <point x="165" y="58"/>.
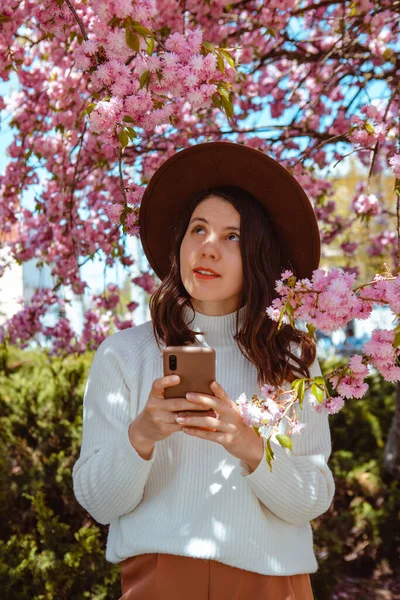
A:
<point x="212" y="436"/>
<point x="207" y="401"/>
<point x="219" y="391"/>
<point x="169" y="419"/>
<point x="203" y="422"/>
<point x="175" y="404"/>
<point x="163" y="382"/>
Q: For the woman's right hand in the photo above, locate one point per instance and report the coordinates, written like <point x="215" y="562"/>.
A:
<point x="157" y="419"/>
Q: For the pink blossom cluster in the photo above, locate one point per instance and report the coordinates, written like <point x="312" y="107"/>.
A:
<point x="96" y="327"/>
<point x="146" y="282"/>
<point x="383" y="244"/>
<point x="276" y="405"/>
<point x="98" y="323"/>
<point x="394" y="162"/>
<point x="267" y="412"/>
<point x="26" y="323"/>
<point x="330" y="406"/>
<point x="181" y="71"/>
<point x="62" y="336"/>
<point x="349" y="248"/>
<point x="366" y="204"/>
<point x="327" y="301"/>
<point x="383" y="355"/>
<point x="321" y="302"/>
<point x="109" y="299"/>
<point x="385" y="290"/>
<point x="353" y="384"/>
<point x="370" y="130"/>
<point x="123" y="324"/>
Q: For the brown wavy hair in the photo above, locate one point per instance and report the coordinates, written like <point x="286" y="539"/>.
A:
<point x="259" y="339"/>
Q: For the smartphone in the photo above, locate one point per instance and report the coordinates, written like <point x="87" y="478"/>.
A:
<point x="195" y="366"/>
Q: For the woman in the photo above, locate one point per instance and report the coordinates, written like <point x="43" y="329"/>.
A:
<point x="194" y="513"/>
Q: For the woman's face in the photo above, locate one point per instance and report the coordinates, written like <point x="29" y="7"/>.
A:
<point x="213" y="243"/>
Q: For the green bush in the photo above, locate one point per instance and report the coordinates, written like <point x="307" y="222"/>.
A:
<point x="359" y="536"/>
<point x="50" y="548"/>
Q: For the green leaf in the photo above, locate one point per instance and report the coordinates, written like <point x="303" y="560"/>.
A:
<point x="88" y="109"/>
<point x="227" y="107"/>
<point x="216" y="100"/>
<point x="318" y="393"/>
<point x="143" y="31"/>
<point x="123" y="138"/>
<point x="144" y="79"/>
<point x="209" y="46"/>
<point x="128" y="119"/>
<point x="284" y="441"/>
<point x="397" y="186"/>
<point x="220" y="63"/>
<point x="269" y="453"/>
<point x="131" y="133"/>
<point x="132" y="39"/>
<point x="299" y="386"/>
<point x="388" y="54"/>
<point x="289" y="308"/>
<point x="228" y="57"/>
<point x="368" y="127"/>
<point x="150" y="46"/>
<point x="396" y="340"/>
<point x="311" y="329"/>
<point x="223" y="91"/>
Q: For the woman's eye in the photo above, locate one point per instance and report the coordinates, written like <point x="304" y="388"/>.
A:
<point x="199" y="227"/>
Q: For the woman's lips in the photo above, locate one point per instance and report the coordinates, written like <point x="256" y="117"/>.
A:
<point x="200" y="276"/>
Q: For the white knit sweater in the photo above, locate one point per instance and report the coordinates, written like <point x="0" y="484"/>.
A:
<point x="193" y="498"/>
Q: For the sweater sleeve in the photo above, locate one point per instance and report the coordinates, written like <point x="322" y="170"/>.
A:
<point x="109" y="476"/>
<point x="301" y="486"/>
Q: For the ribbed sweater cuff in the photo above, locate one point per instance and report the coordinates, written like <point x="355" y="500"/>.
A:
<point x="298" y="489"/>
<point x="132" y="455"/>
<point x="111" y="482"/>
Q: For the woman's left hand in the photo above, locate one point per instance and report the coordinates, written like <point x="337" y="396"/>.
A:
<point x="229" y="429"/>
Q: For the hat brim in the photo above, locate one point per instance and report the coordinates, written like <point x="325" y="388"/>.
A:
<point x="212" y="164"/>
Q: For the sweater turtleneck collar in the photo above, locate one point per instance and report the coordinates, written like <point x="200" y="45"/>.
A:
<point x="219" y="331"/>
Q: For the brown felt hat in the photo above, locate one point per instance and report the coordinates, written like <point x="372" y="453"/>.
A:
<point x="213" y="164"/>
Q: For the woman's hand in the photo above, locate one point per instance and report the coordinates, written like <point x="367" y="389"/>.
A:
<point x="228" y="429"/>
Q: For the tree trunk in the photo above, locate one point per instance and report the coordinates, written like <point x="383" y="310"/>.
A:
<point x="391" y="462"/>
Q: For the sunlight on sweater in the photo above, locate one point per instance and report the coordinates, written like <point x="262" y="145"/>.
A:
<point x="201" y="548"/>
<point x="226" y="469"/>
<point x="219" y="530"/>
<point x="214" y="488"/>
